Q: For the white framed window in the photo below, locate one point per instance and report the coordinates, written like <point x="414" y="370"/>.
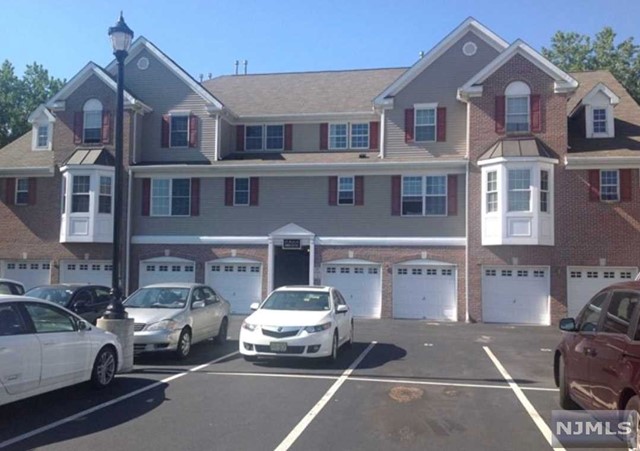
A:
<point x="104" y="200"/>
<point x="81" y="194"/>
<point x="492" y="191"/>
<point x="519" y="194"/>
<point x="600" y="120"/>
<point x="253" y="137"/>
<point x="22" y="191"/>
<point x="360" y="136"/>
<point x="338" y="136"/>
<point x="275" y="137"/>
<point x="241" y="186"/>
<point x="425" y="119"/>
<point x="544" y="191"/>
<point x="424" y="196"/>
<point x="179" y="130"/>
<point x="264" y="137"/>
<point x="92" y="122"/>
<point x="42" y="140"/>
<point x="517" y="114"/>
<point x="346" y="190"/>
<point x="170" y="197"/>
<point x="610" y="185"/>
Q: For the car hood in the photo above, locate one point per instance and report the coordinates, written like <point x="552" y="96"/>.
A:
<point x="152" y="315"/>
<point x="288" y="318"/>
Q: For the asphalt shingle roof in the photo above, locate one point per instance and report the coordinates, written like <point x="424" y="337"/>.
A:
<point x="18" y="154"/>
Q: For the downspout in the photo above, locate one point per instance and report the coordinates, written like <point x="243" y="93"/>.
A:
<point x="466" y="220"/>
<point x="127" y="253"/>
<point x="382" y="134"/>
<point x="216" y="143"/>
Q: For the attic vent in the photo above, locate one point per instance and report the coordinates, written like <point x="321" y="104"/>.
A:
<point x="143" y="63"/>
<point x="469" y="48"/>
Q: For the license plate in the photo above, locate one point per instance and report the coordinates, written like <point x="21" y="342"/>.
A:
<point x="278" y="347"/>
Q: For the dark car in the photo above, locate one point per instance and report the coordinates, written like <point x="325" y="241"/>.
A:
<point x="597" y="364"/>
<point x="11" y="287"/>
<point x="88" y="301"/>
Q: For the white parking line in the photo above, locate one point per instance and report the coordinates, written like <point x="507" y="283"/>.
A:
<point x="315" y="410"/>
<point x="104" y="405"/>
<point x="285" y="375"/>
<point x="533" y="413"/>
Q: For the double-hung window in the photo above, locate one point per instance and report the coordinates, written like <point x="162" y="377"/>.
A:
<point x="179" y="135"/>
<point x="253" y="137"/>
<point x="424" y="196"/>
<point x="425" y="124"/>
<point x="544" y="191"/>
<point x="599" y="120"/>
<point x="170" y="197"/>
<point x="264" y="137"/>
<point x="275" y="137"/>
<point x="492" y="192"/>
<point x="241" y="191"/>
<point x="42" y="141"/>
<point x="360" y="136"/>
<point x="104" y="201"/>
<point x="22" y="191"/>
<point x="338" y="136"/>
<point x="92" y="122"/>
<point x="353" y="135"/>
<point x="517" y="107"/>
<point x="519" y="195"/>
<point x="80" y="194"/>
<point x="609" y="185"/>
<point x="346" y="194"/>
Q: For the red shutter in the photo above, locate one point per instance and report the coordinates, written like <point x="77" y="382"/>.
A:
<point x="536" y="113"/>
<point x="193" y="131"/>
<point x="228" y="191"/>
<point x="106" y="127"/>
<point x="33" y="186"/>
<point x="195" y="197"/>
<point x="78" y="118"/>
<point x="10" y="192"/>
<point x="359" y="190"/>
<point x="374" y="135"/>
<point x="166" y="119"/>
<point x="452" y="195"/>
<point x="442" y="124"/>
<point x="408" y="125"/>
<point x="396" y="192"/>
<point x="239" y="140"/>
<point x="288" y="137"/>
<point x="324" y="136"/>
<point x="625" y="185"/>
<point x="254" y="190"/>
<point x="333" y="190"/>
<point x="499" y="117"/>
<point x="594" y="185"/>
<point x="146" y="197"/>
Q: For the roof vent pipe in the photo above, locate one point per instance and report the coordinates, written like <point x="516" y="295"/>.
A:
<point x="246" y="63"/>
<point x="237" y="62"/>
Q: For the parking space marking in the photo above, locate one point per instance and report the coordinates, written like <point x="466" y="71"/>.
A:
<point x="284" y="375"/>
<point x="531" y="410"/>
<point x="308" y="418"/>
<point x="104" y="405"/>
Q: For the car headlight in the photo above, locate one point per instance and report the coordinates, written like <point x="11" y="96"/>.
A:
<point x="165" y="324"/>
<point x="248" y="326"/>
<point x="319" y="328"/>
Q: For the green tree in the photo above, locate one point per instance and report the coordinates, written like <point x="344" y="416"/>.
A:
<point x="19" y="97"/>
<point x="573" y="52"/>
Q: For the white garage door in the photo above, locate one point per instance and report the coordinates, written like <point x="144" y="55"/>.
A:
<point x="583" y="282"/>
<point x="30" y="272"/>
<point x="424" y="292"/>
<point x="166" y="271"/>
<point x="359" y="284"/>
<point x="97" y="272"/>
<point x="240" y="283"/>
<point x="515" y="294"/>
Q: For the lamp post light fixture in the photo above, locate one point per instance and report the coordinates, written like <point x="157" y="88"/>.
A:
<point x="121" y="36"/>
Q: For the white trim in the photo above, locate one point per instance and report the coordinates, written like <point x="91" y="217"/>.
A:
<point x="216" y="143"/>
<point x="351" y="261"/>
<point x="617" y="186"/>
<point x="18" y="190"/>
<point x="321" y="241"/>
<point x="470" y="24"/>
<point x="292" y="230"/>
<point x="600" y="87"/>
<point x="26" y="172"/>
<point x="238" y="260"/>
<point x="381" y="140"/>
<point x="425" y="106"/>
<point x="263" y="137"/>
<point x="177" y="114"/>
<point x="169" y="215"/>
<point x="425" y="262"/>
<point x="424" y="195"/>
<point x="166" y="259"/>
<point x="38" y="112"/>
<point x="353" y="191"/>
<point x="248" y="179"/>
<point x="601" y="162"/>
<point x="499" y="160"/>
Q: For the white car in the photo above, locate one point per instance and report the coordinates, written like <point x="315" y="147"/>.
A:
<point x="173" y="316"/>
<point x="297" y="321"/>
<point x="45" y="347"/>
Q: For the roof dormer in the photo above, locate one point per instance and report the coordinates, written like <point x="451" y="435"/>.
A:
<point x="598" y="112"/>
<point x="41" y="121"/>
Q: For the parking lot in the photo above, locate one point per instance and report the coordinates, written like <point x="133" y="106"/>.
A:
<point x="403" y="385"/>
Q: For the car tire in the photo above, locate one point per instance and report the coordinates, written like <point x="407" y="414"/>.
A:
<point x="221" y="338"/>
<point x="104" y="368"/>
<point x="184" y="344"/>
<point x="564" y="397"/>
<point x="334" y="348"/>
<point x="250" y="358"/>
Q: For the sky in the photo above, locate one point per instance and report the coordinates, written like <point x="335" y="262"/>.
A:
<point x="207" y="37"/>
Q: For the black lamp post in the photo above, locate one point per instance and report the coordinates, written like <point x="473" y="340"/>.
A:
<point x="121" y="37"/>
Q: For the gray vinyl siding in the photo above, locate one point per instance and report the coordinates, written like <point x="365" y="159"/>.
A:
<point x="306" y="137"/>
<point x="438" y="83"/>
<point x="227" y="138"/>
<point x="304" y="201"/>
<point x="163" y="91"/>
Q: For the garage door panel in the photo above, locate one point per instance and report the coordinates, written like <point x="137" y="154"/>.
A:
<point x="583" y="282"/>
<point x="360" y="285"/>
<point x="424" y="293"/>
<point x="30" y="273"/>
<point x="86" y="271"/>
<point x="238" y="283"/>
<point x="166" y="272"/>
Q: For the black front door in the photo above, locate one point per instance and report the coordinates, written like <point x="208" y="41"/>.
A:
<point x="291" y="266"/>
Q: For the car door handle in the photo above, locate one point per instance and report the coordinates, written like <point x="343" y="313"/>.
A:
<point x="590" y="352"/>
<point x="48" y="343"/>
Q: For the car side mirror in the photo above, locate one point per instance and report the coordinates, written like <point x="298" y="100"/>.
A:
<point x="568" y="325"/>
<point x="197" y="305"/>
<point x="82" y="326"/>
<point x="80" y="305"/>
<point x="254" y="306"/>
<point x="342" y="308"/>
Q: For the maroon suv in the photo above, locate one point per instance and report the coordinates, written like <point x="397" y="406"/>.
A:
<point x="597" y="364"/>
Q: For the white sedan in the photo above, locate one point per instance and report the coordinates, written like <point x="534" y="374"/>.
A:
<point x="297" y="321"/>
<point x="45" y="347"/>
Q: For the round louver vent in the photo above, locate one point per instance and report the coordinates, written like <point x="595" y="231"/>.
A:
<point x="469" y="48"/>
<point x="143" y="63"/>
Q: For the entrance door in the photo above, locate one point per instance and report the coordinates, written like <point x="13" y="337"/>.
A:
<point x="291" y="266"/>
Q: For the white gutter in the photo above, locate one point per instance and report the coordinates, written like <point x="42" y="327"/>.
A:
<point x="600" y="162"/>
<point x="216" y="144"/>
<point x="21" y="172"/>
<point x="127" y="256"/>
<point x="382" y="131"/>
<point x="466" y="250"/>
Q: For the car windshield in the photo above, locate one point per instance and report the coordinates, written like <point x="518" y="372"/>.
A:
<point x="297" y="300"/>
<point x="165" y="297"/>
<point x="58" y="295"/>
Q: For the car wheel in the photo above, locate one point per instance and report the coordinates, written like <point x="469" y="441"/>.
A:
<point x="334" y="348"/>
<point x="250" y="358"/>
<point x="104" y="368"/>
<point x="221" y="338"/>
<point x="565" y="399"/>
<point x="184" y="344"/>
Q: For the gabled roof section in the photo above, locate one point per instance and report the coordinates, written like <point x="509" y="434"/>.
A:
<point x="42" y="110"/>
<point x="292" y="229"/>
<point x="563" y="81"/>
<point x="18" y="159"/>
<point x="143" y="43"/>
<point x="590" y="96"/>
<point x="470" y="24"/>
<point x="57" y="101"/>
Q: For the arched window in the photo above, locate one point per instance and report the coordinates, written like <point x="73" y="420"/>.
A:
<point x="92" y="121"/>
<point x="517" y="107"/>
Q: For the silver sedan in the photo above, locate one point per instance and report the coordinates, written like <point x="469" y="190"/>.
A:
<point x="173" y="316"/>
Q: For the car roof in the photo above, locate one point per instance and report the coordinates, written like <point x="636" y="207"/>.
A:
<point x="11" y="281"/>
<point x="174" y="285"/>
<point x="319" y="288"/>
<point x="6" y="298"/>
<point x="630" y="285"/>
<point x="73" y="286"/>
